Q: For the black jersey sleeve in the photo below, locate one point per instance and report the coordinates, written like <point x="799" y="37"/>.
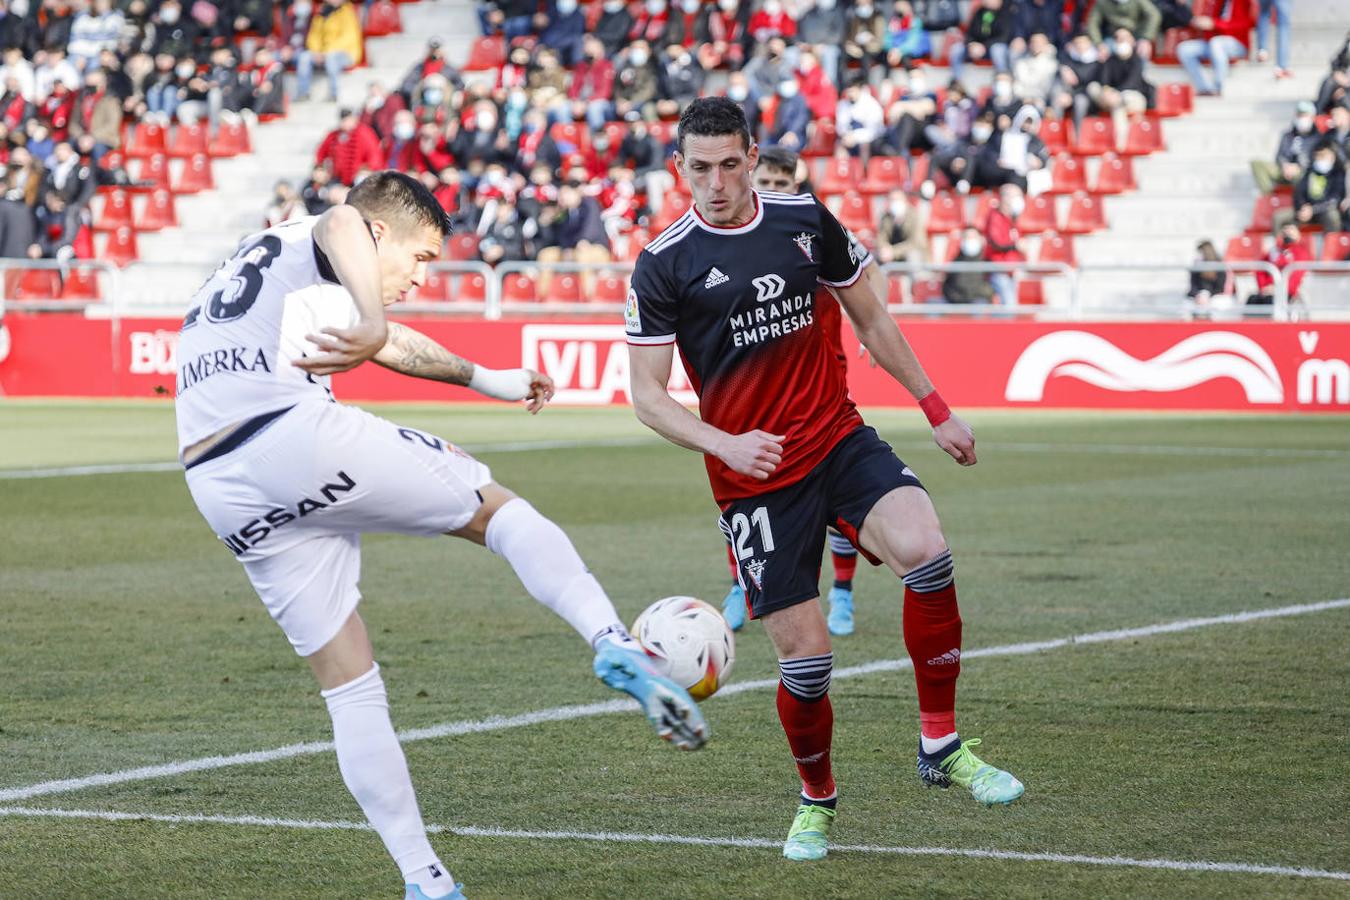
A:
<point x="650" y="313"/>
<point x="840" y="264"/>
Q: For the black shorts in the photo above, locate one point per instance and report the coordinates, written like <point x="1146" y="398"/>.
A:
<point x="778" y="537"/>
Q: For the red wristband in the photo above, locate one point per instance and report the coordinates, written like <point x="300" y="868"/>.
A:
<point x="935" y="408"/>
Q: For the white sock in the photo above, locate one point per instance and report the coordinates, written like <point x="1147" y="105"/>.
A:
<point x="375" y="771"/>
<point x="932" y="745"/>
<point x="549" y="567"/>
<point x="433" y="880"/>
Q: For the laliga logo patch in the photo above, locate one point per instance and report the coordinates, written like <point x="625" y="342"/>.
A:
<point x="767" y="287"/>
<point x="1195" y="360"/>
<point x="631" y="318"/>
<point x="803" y="242"/>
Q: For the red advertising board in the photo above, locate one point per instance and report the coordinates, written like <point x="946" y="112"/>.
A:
<point x="1239" y="366"/>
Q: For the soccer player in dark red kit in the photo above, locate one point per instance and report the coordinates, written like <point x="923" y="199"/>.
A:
<point x="733" y="283"/>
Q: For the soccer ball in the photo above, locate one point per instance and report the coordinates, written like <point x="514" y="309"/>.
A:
<point x="691" y="642"/>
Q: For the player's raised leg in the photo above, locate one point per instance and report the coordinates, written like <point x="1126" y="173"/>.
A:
<point x="903" y="530"/>
<point x="805" y="662"/>
<point x="554" y="574"/>
<point x="845" y="558"/>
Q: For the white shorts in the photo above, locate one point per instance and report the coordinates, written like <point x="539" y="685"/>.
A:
<point x="293" y="501"/>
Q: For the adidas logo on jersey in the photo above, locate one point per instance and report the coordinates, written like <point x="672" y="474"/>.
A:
<point x="950" y="658"/>
<point x="715" y="277"/>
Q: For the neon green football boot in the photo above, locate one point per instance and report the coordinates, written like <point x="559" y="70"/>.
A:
<point x="809" y="837"/>
<point x="987" y="784"/>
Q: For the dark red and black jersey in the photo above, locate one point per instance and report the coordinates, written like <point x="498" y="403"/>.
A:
<point x="760" y="347"/>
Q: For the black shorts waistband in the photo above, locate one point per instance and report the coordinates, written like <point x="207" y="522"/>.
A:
<point x="240" y="436"/>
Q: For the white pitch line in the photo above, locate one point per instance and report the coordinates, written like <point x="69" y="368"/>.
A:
<point x="581" y="711"/>
<point x="622" y="837"/>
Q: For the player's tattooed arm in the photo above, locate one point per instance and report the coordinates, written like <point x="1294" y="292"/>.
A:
<point x="410" y="352"/>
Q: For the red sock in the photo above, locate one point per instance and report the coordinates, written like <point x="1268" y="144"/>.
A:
<point x="932" y="627"/>
<point x="731" y="562"/>
<point x="844" y="566"/>
<point x="809" y="727"/>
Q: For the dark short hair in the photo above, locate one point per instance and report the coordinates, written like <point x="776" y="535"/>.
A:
<point x="713" y="117"/>
<point x="780" y="158"/>
<point x="399" y="199"/>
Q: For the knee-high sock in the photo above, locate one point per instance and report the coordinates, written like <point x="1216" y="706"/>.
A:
<point x="808" y="720"/>
<point x="932" y="626"/>
<point x="549" y="567"/>
<point x="375" y="771"/>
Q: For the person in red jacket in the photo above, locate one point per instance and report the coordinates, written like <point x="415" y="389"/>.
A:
<point x="1288" y="249"/>
<point x="1004" y="241"/>
<point x="349" y="148"/>
<point x="1227" y="36"/>
<point x="593" y="83"/>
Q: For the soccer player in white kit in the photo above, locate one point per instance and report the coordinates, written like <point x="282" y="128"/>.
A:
<point x="289" y="479"/>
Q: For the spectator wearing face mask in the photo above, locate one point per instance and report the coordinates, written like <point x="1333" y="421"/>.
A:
<point x="170" y="32"/>
<point x="1288" y="250"/>
<point x="1139" y="17"/>
<point x="688" y="24"/>
<point x="1293" y="154"/>
<point x="957" y="160"/>
<point x="1015" y="155"/>
<point x="1003" y="101"/>
<point x="742" y="92"/>
<point x="1122" y="92"/>
<point x="635" y="85"/>
<point x="823" y="27"/>
<point x="504" y="239"/>
<point x="593" y="84"/>
<point x="1079" y="66"/>
<point x="349" y="148"/>
<point x="792" y="118"/>
<point x="97" y="113"/>
<point x="94" y="30"/>
<point x="987" y="37"/>
<point x="1319" y="195"/>
<point x="816" y="87"/>
<point x="334" y="42"/>
<point x="724" y="43"/>
<point x="770" y="67"/>
<point x="1035" y="71"/>
<point x="1210" y="283"/>
<point x="681" y="80"/>
<point x="510" y="18"/>
<point x="860" y="122"/>
<point x="1228" y="37"/>
<point x="902" y="233"/>
<point x="969" y="286"/>
<point x="166" y="88"/>
<point x="613" y="26"/>
<point x="865" y="42"/>
<point x="564" y="29"/>
<point x="650" y="23"/>
<point x="771" y="21"/>
<point x="400" y="144"/>
<point x="1337" y="137"/>
<point x="1004" y="241"/>
<point x="285" y="206"/>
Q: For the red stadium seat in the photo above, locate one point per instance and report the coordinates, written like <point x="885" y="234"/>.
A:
<point x="231" y="140"/>
<point x="927" y="290"/>
<point x="986" y="202"/>
<point x="884" y="174"/>
<point x="1030" y="292"/>
<point x="32" y="284"/>
<point x="1067" y="175"/>
<point x="676" y="205"/>
<point x="472" y="288"/>
<point x="664" y="132"/>
<point x="487" y="53"/>
<point x="1085" y="215"/>
<point x="1175" y="99"/>
<point x="382" y="18"/>
<point x="574" y="133"/>
<point x="614" y="131"/>
<point x="1055" y="134"/>
<point x="1336" y="247"/>
<point x="1244" y="248"/>
<point x="517" y="287"/>
<point x="563" y="287"/>
<point x="120" y="249"/>
<point x="638" y="239"/>
<point x="1145" y="137"/>
<point x="946" y="213"/>
<point x="116" y="211"/>
<point x="1096" y="136"/>
<point x="436" y="289"/>
<point x="196" y="176"/>
<point x="460" y="247"/>
<point x="1263" y="214"/>
<point x="610" y="289"/>
<point x="821" y="141"/>
<point x="81" y="284"/>
<point x="159" y="212"/>
<point x="1057" y="248"/>
<point x="147" y="139"/>
<point x="895" y="290"/>
<point x="839" y="174"/>
<point x="1116" y="175"/>
<point x="1038" y="216"/>
<point x="155" y="171"/>
<point x="189" y="140"/>
<point x="951" y="247"/>
<point x="855" y="212"/>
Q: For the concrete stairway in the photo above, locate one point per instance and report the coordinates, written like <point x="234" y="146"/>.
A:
<point x="177" y="260"/>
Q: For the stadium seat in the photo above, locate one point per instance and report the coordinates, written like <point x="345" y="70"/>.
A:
<point x="1336" y="247"/>
<point x="472" y="288"/>
<point x="382" y="18"/>
<point x="188" y="141"/>
<point x="231" y="139"/>
<point x="1145" y="137"/>
<point x="664" y="132"/>
<point x="1055" y="134"/>
<point x="676" y="205"/>
<point x="610" y="289"/>
<point x="486" y="54"/>
<point x="563" y="287"/>
<point x="927" y="290"/>
<point x="196" y="176"/>
<point x="81" y="284"/>
<point x="159" y="212"/>
<point x="115" y="213"/>
<point x="839" y="174"/>
<point x="153" y="173"/>
<point x="120" y="249"/>
<point x="1030" y="292"/>
<point x="1038" y="216"/>
<point x="638" y="238"/>
<point x="614" y="131"/>
<point x="147" y="139"/>
<point x="1244" y="248"/>
<point x="1116" y="175"/>
<point x="895" y="290"/>
<point x="884" y="174"/>
<point x="32" y="284"/>
<point x="855" y="212"/>
<point x="570" y="133"/>
<point x="986" y="202"/>
<point x="821" y="141"/>
<point x="1085" y="215"/>
<point x="517" y="287"/>
<point x="1263" y="214"/>
<point x="1175" y="99"/>
<point x="460" y="247"/>
<point x="436" y="289"/>
<point x="945" y="213"/>
<point x="1067" y="175"/>
<point x="1096" y="136"/>
<point x="1057" y="248"/>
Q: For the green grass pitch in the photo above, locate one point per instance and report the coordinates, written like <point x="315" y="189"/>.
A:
<point x="129" y="637"/>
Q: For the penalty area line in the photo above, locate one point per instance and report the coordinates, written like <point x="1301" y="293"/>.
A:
<point x="621" y="837"/>
<point x="580" y="711"/>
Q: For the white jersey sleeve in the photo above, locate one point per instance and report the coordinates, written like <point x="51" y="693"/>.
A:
<point x="247" y="325"/>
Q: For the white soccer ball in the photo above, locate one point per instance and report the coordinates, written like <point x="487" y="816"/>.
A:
<point x="690" y="640"/>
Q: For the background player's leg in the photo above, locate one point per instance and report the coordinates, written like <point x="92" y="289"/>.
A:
<point x="733" y="605"/>
<point x="370" y="758"/>
<point x="845" y="558"/>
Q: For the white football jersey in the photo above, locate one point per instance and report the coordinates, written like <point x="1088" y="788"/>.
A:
<point x="247" y="325"/>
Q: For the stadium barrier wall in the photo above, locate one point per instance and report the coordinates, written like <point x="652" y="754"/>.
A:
<point x="1248" y="366"/>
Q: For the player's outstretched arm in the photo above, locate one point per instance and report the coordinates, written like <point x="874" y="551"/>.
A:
<point x="754" y="453"/>
<point x="882" y="338"/>
<point x="345" y="239"/>
<point x="409" y="352"/>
